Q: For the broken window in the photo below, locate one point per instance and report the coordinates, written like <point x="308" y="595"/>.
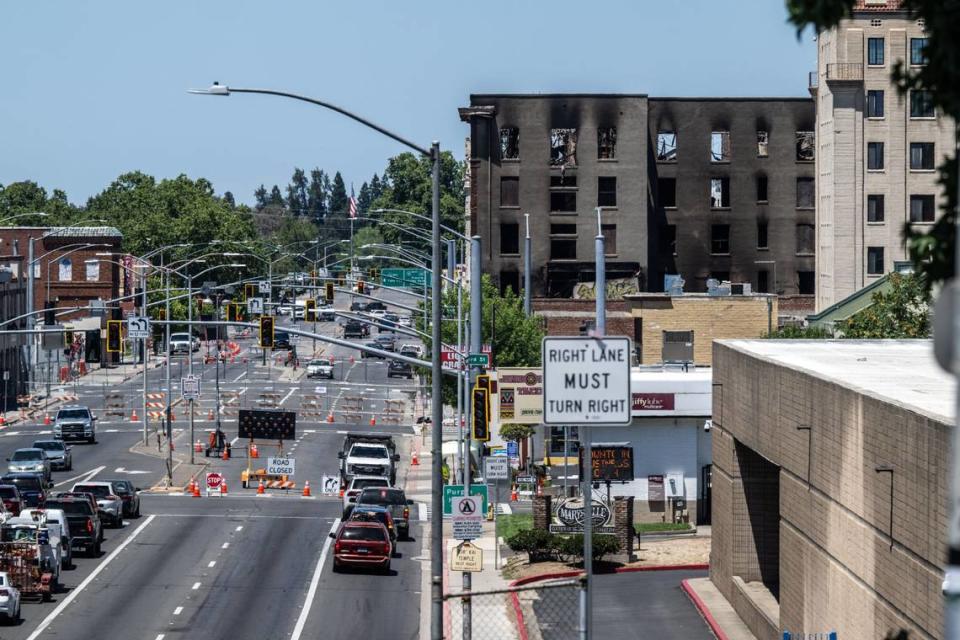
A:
<point x="805" y="282"/>
<point x="762" y="233"/>
<point x="566" y="180"/>
<point x="606" y="191"/>
<point x="609" y="239"/>
<point x="720" y="146"/>
<point x="668" y="240"/>
<point x="805" y="239"/>
<point x="719" y="193"/>
<point x="667" y="146"/>
<point x="720" y="238"/>
<point x="563" y="242"/>
<point x="563" y="147"/>
<point x="763" y="139"/>
<point x="762" y="189"/>
<point x="510" y="143"/>
<point x="509" y="191"/>
<point x="805" y="146"/>
<point x="563" y="201"/>
<point x="607" y="143"/>
<point x="509" y="238"/>
<point x="667" y="192"/>
<point x="806" y="193"/>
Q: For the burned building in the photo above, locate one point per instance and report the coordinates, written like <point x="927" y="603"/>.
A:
<point x="701" y="187"/>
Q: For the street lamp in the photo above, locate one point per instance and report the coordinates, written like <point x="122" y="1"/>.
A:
<point x="39" y="214"/>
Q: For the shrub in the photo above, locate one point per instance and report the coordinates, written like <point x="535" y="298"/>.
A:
<point x="571" y="547"/>
<point x="536" y="543"/>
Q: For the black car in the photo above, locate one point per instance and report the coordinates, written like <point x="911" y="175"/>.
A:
<point x="32" y="486"/>
<point x="376" y="305"/>
<point x="372" y="345"/>
<point x="130" y="496"/>
<point x="358" y="306"/>
<point x="353" y="329"/>
<point x="399" y="369"/>
<point x="281" y="340"/>
<point x="85" y="528"/>
<point x="389" y="322"/>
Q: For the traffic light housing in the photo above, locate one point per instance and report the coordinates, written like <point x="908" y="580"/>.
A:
<point x="114" y="336"/>
<point x="329" y="292"/>
<point x="480" y="416"/>
<point x="310" y="310"/>
<point x="249" y="290"/>
<point x="266" y="332"/>
<point x="232" y="312"/>
<point x="360" y="287"/>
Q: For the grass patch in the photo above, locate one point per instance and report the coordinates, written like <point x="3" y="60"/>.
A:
<point x="507" y="525"/>
<point x="654" y="527"/>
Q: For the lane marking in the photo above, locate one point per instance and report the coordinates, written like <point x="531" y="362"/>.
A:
<point x="234" y="441"/>
<point x="90" y="578"/>
<point x="240" y="527"/>
<point x="237" y="379"/>
<point x="196" y="585"/>
<point x="178" y="611"/>
<point x="212" y="564"/>
<point x="85" y="476"/>
<point x="289" y="393"/>
<point x="312" y="591"/>
<point x="225" y="545"/>
<point x="159" y="637"/>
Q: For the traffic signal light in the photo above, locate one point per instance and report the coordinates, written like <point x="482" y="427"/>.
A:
<point x="50" y="313"/>
<point x="360" y="286"/>
<point x="480" y="417"/>
<point x="310" y="310"/>
<point x="266" y="332"/>
<point x="249" y="290"/>
<point x="114" y="336"/>
<point x="329" y="292"/>
<point x="231" y="312"/>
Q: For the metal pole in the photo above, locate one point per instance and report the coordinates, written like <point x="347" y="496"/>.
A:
<point x="168" y="412"/>
<point x="146" y="356"/>
<point x="190" y="354"/>
<point x="951" y="582"/>
<point x="527" y="262"/>
<point x="436" y="440"/>
<point x="32" y="322"/>
<point x="476" y="346"/>
<point x="460" y="385"/>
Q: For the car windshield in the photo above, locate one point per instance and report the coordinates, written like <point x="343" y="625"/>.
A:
<point x="180" y="337"/>
<point x="281" y="335"/>
<point x="30" y="483"/>
<point x="19" y="534"/>
<point x="362" y="533"/>
<point x="368" y="452"/>
<point x="120" y="488"/>
<point x="382" y="496"/>
<point x="370" y="516"/>
<point x="24" y="455"/>
<point x="8" y="493"/>
<point x="96" y="489"/>
<point x="363" y="483"/>
<point x="71" y="507"/>
<point x="49" y="445"/>
<point x="317" y="363"/>
<point x="72" y="414"/>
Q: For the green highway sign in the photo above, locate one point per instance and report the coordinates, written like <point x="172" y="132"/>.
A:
<point x="478" y="360"/>
<point x="452" y="491"/>
<point x="403" y="277"/>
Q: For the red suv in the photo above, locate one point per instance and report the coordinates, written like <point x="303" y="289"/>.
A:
<point x="362" y="544"/>
<point x="10" y="496"/>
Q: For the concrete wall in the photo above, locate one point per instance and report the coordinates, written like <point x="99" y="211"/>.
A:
<point x="839" y="567"/>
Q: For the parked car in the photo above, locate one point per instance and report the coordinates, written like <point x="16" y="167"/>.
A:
<point x="75" y="422"/>
<point x="108" y="502"/>
<point x="320" y="369"/>
<point x="399" y="369"/>
<point x="12" y="500"/>
<point x="32" y="487"/>
<point x="130" y="496"/>
<point x="56" y="521"/>
<point x="9" y="599"/>
<point x="30" y="459"/>
<point x="184" y="343"/>
<point x="391" y="498"/>
<point x="86" y="531"/>
<point x="375" y="513"/>
<point x="58" y="453"/>
<point x="361" y="544"/>
<point x="358" y="484"/>
<point x="373" y="344"/>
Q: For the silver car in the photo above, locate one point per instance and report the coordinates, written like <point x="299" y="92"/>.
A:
<point x="60" y="455"/>
<point x="9" y="599"/>
<point x="109" y="504"/>
<point x="32" y="460"/>
<point x="75" y="422"/>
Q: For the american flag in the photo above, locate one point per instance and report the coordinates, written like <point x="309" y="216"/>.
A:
<point x="353" y="207"/>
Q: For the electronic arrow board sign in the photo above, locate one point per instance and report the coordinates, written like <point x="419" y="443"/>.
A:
<point x="268" y="424"/>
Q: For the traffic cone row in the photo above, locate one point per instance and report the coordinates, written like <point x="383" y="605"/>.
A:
<point x="306" y="489"/>
<point x="195" y="489"/>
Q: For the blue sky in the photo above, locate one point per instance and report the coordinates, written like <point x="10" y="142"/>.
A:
<point x="95" y="88"/>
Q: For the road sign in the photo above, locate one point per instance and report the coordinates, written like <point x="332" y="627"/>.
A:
<point x="190" y="387"/>
<point x="452" y="491"/>
<point x="478" y="360"/>
<point x="330" y="485"/>
<point x="254" y="306"/>
<point x="497" y="468"/>
<point x="513" y="449"/>
<point x="138" y="327"/>
<point x="214" y="481"/>
<point x="403" y="277"/>
<point x="466" y="557"/>
<point x="264" y="286"/>
<point x="281" y="466"/>
<point x="467" y="517"/>
<point x="586" y="381"/>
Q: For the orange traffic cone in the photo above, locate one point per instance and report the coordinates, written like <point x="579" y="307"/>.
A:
<point x="351" y="360"/>
<point x="46" y="419"/>
<point x="226" y="454"/>
<point x="210" y="415"/>
<point x="3" y="420"/>
<point x="196" y="489"/>
<point x="134" y="418"/>
<point x="341" y="492"/>
<point x="197" y="446"/>
<point x="373" y="421"/>
<point x="539" y="488"/>
<point x="306" y="489"/>
<point x="223" y="487"/>
<point x="513" y="494"/>
<point x="414" y="460"/>
<point x="260" y="489"/>
<point x="330" y="417"/>
<point x="254" y="452"/>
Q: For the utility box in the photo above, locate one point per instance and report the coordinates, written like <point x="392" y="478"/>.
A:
<point x="677" y="346"/>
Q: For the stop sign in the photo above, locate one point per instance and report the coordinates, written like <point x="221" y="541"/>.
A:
<point x="214" y="480"/>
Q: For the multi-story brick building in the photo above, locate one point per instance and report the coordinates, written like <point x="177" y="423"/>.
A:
<point x="701" y="187"/>
<point x="13" y="304"/>
<point x="877" y="150"/>
<point x="829" y="489"/>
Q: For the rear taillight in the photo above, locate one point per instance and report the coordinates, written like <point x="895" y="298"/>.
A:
<point x="5" y="593"/>
<point x="89" y="525"/>
<point x="406" y="512"/>
<point x="336" y="547"/>
<point x="386" y="547"/>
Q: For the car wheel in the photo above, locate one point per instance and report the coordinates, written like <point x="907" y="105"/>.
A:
<point x="336" y="566"/>
<point x="137" y="514"/>
<point x="92" y="440"/>
<point x="386" y="567"/>
<point x="96" y="549"/>
<point x="16" y="615"/>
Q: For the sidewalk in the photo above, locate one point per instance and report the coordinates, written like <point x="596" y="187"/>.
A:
<point x="716" y="611"/>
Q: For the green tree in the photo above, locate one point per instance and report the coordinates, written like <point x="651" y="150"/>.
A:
<point x="800" y="333"/>
<point x="376" y="188"/>
<point x="317" y="195"/>
<point x="261" y="197"/>
<point x="931" y="248"/>
<point x="276" y="198"/>
<point x="901" y="312"/>
<point x="229" y="200"/>
<point x="297" y="193"/>
<point x="29" y="197"/>
<point x="337" y="205"/>
<point x="363" y="199"/>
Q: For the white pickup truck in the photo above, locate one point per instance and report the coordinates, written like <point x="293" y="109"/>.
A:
<point x="369" y="459"/>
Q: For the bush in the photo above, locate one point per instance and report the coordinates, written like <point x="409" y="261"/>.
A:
<point x="571" y="547"/>
<point x="536" y="543"/>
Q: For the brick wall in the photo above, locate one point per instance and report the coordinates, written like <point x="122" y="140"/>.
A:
<point x="565" y="316"/>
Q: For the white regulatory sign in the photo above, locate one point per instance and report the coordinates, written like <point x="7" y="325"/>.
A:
<point x="467" y="517"/>
<point x="190" y="387"/>
<point x="280" y="466"/>
<point x="138" y="327"/>
<point x="330" y="485"/>
<point x="496" y="468"/>
<point x="255" y="306"/>
<point x="264" y="286"/>
<point x="586" y="381"/>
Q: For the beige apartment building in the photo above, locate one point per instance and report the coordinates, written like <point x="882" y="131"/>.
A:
<point x="877" y="150"/>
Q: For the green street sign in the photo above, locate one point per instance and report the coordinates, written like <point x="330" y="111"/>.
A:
<point x="478" y="360"/>
<point x="403" y="277"/>
<point x="452" y="491"/>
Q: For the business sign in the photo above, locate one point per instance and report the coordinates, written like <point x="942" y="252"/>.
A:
<point x="452" y="491"/>
<point x="568" y="517"/>
<point x="610" y="462"/>
<point x="450" y="358"/>
<point x="190" y="387"/>
<point x="138" y="327"/>
<point x="655" y="488"/>
<point x="281" y="466"/>
<point x="467" y="517"/>
<point x="267" y="424"/>
<point x="586" y="381"/>
<point x="466" y="557"/>
<point x="520" y="395"/>
<point x="497" y="468"/>
<point x="652" y="402"/>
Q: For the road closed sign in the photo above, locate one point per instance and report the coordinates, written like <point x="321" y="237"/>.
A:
<point x="280" y="466"/>
<point x="586" y="381"/>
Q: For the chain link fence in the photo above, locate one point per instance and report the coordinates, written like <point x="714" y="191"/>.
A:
<point x="547" y="611"/>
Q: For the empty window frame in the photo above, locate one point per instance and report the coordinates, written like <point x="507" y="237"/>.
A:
<point x="509" y="191"/>
<point x="719" y="193"/>
<point x="564" y="180"/>
<point x="874" y="103"/>
<point x="563" y="242"/>
<point x="875" y="156"/>
<point x="922" y="208"/>
<point x="720" y="238"/>
<point x="563" y="201"/>
<point x="805" y="239"/>
<point x="875" y="207"/>
<point x="668" y="240"/>
<point x="719" y="146"/>
<point x="510" y="143"/>
<point x="763" y="281"/>
<point x="875" y="261"/>
<point x="763" y="240"/>
<point x="921" y="104"/>
<point x="875" y="48"/>
<point x="762" y="185"/>
<point x="720" y="276"/>
<point x="806" y="146"/>
<point x="509" y="238"/>
<point x="609" y="239"/>
<point x="667" y="192"/>
<point x="606" y="191"/>
<point x="563" y="147"/>
<point x="763" y="144"/>
<point x="921" y="156"/>
<point x="607" y="143"/>
<point x="667" y="146"/>
<point x="806" y="193"/>
<point x="918" y="51"/>
<point x="805" y="282"/>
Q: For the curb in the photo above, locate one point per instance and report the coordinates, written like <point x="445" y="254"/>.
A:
<point x="703" y="610"/>
<point x="665" y="567"/>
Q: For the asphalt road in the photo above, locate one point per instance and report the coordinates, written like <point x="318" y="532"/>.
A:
<point x="240" y="566"/>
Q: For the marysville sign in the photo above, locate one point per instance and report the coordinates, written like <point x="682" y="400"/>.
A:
<point x="568" y="517"/>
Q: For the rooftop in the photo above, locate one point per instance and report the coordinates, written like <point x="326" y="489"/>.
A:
<point x="83" y="232"/>
<point x="900" y="372"/>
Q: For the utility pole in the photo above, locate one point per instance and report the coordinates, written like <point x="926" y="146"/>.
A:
<point x="146" y="356"/>
<point x="527" y="265"/>
<point x="190" y="355"/>
<point x="31" y="321"/>
<point x="476" y="346"/>
<point x="168" y="412"/>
